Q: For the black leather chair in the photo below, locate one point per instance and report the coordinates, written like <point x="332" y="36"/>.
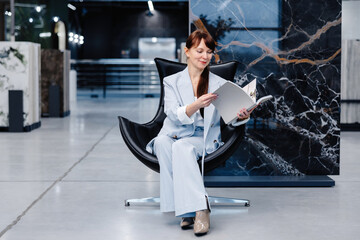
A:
<point x="136" y="136"/>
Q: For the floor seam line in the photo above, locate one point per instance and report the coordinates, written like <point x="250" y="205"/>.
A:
<point x="18" y="218"/>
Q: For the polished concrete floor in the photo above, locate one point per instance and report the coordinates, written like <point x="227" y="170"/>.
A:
<point x="69" y="178"/>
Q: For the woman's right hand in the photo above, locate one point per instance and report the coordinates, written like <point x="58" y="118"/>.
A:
<point x="201" y="102"/>
<point x="205" y="100"/>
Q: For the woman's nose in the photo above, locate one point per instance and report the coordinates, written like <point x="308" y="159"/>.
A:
<point x="205" y="55"/>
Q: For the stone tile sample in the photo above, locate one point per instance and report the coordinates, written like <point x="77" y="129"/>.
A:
<point x="20" y="70"/>
<point x="55" y="70"/>
<point x="350" y="83"/>
<point x="293" y="49"/>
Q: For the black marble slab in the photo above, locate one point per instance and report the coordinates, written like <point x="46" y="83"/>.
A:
<point x="269" y="181"/>
<point x="293" y="49"/>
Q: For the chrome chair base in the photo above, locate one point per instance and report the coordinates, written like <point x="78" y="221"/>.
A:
<point x="212" y="200"/>
<point x="228" y="201"/>
<point x="142" y="200"/>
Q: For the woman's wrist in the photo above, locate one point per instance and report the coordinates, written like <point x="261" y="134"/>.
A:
<point x="242" y="119"/>
<point x="191" y="109"/>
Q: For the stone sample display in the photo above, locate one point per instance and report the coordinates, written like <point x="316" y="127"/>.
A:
<point x="55" y="71"/>
<point x="293" y="49"/>
<point x="20" y="70"/>
<point x="350" y="84"/>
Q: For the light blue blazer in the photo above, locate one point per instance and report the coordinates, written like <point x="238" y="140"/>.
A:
<point x="178" y="93"/>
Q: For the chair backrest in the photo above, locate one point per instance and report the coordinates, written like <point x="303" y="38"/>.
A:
<point x="166" y="68"/>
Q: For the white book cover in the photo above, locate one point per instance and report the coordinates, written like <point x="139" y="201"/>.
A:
<point x="231" y="98"/>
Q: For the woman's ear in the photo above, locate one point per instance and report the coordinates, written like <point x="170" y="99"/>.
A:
<point x="186" y="51"/>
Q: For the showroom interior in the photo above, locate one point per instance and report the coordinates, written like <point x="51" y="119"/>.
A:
<point x="75" y="73"/>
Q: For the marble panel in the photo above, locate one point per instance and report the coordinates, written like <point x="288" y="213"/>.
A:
<point x="55" y="70"/>
<point x="293" y="49"/>
<point x="350" y="74"/>
<point x="20" y="70"/>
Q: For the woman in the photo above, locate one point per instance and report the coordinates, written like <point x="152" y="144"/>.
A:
<point x="191" y="130"/>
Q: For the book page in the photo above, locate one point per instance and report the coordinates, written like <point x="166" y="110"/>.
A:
<point x="250" y="89"/>
<point x="231" y="98"/>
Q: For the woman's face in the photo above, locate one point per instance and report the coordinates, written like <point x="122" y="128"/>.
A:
<point x="199" y="56"/>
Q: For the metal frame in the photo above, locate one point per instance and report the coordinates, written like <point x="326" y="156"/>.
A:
<point x="212" y="200"/>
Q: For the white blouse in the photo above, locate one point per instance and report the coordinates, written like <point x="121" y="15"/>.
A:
<point x="195" y="118"/>
<point x="199" y="121"/>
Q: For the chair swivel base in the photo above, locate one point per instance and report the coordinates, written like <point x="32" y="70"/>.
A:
<point x="212" y="200"/>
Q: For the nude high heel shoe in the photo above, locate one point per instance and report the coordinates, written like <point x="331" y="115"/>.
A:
<point x="186" y="222"/>
<point x="202" y="222"/>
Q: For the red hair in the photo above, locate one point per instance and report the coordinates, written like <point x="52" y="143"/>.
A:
<point x="195" y="38"/>
<point x="193" y="41"/>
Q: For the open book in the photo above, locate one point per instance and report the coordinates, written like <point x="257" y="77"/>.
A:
<point x="231" y="98"/>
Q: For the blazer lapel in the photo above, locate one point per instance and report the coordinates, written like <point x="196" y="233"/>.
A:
<point x="185" y="88"/>
<point x="209" y="111"/>
<point x="208" y="114"/>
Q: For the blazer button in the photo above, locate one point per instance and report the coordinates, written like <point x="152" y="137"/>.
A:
<point x="212" y="125"/>
<point x="175" y="137"/>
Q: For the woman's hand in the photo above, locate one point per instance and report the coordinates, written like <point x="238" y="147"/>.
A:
<point x="205" y="100"/>
<point x="244" y="114"/>
<point x="201" y="102"/>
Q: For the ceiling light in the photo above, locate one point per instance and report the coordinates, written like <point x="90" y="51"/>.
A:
<point x="72" y="7"/>
<point x="56" y="19"/>
<point x="31" y="20"/>
<point x="38" y="9"/>
<point x="45" y="34"/>
<point x="154" y="39"/>
<point x="151" y="6"/>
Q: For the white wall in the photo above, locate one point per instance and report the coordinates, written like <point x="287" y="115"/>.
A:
<point x="350" y="61"/>
<point x="350" y="20"/>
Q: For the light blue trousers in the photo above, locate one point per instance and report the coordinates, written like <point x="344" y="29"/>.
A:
<point x="181" y="185"/>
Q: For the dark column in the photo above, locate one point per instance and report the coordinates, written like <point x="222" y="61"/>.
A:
<point x="54" y="101"/>
<point x="2" y="23"/>
<point x="16" y="119"/>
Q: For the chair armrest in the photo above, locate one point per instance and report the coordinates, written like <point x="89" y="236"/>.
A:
<point x="136" y="136"/>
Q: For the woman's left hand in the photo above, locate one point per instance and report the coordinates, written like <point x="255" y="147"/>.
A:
<point x="243" y="114"/>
